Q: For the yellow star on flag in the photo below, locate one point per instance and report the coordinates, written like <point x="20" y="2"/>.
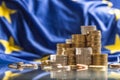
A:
<point x="6" y="12"/>
<point x="115" y="47"/>
<point x="42" y="59"/>
<point x="9" y="75"/>
<point x="116" y="12"/>
<point x="9" y="46"/>
<point x="114" y="75"/>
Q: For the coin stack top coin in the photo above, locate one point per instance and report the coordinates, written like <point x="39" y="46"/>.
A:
<point x="68" y="41"/>
<point x="86" y="29"/>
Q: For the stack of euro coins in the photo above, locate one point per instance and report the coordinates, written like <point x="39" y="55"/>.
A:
<point x="61" y="59"/>
<point x="94" y="41"/>
<point x="86" y="29"/>
<point x="83" y="56"/>
<point x="78" y="40"/>
<point x="100" y="59"/>
<point x="70" y="52"/>
<point x="61" y="47"/>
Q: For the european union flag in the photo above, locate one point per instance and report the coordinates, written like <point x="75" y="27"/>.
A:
<point x="116" y="3"/>
<point x="30" y="29"/>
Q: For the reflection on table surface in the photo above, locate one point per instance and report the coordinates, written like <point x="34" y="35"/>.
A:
<point x="31" y="74"/>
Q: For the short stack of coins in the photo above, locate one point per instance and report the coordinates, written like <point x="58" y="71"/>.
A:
<point x="100" y="59"/>
<point x="53" y="62"/>
<point x="94" y="41"/>
<point x="70" y="52"/>
<point x="85" y="29"/>
<point x="61" y="59"/>
<point x="83" y="56"/>
<point x="61" y="48"/>
<point x="78" y="40"/>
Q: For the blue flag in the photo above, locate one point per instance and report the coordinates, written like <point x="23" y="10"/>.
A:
<point x="116" y="3"/>
<point x="30" y="29"/>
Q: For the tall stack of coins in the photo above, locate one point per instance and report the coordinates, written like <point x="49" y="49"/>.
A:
<point x="61" y="47"/>
<point x="100" y="59"/>
<point x="86" y="29"/>
<point x="70" y="52"/>
<point x="83" y="56"/>
<point x="78" y="40"/>
<point x="94" y="41"/>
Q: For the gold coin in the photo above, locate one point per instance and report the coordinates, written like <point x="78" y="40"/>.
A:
<point x="68" y="41"/>
<point x="95" y="32"/>
<point x="86" y="29"/>
<point x="78" y="45"/>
